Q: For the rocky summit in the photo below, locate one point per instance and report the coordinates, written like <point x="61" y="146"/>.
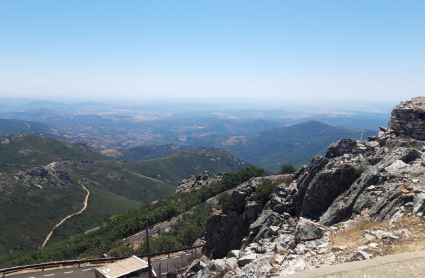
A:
<point x="203" y="179"/>
<point x="354" y="184"/>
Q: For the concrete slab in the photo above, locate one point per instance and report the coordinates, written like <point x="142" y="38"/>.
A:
<point x="406" y="265"/>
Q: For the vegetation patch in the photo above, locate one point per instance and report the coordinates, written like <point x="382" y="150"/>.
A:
<point x="111" y="233"/>
<point x="264" y="192"/>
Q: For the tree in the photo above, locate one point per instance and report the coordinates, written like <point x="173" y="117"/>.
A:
<point x="222" y="198"/>
<point x="287" y="169"/>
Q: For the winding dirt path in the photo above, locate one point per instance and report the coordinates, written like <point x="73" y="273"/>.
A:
<point x="69" y="216"/>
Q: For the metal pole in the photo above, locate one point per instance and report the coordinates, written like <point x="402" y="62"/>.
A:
<point x="149" y="253"/>
<point x="159" y="268"/>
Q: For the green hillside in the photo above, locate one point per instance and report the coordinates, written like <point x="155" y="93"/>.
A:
<point x="113" y="229"/>
<point x="290" y="145"/>
<point x="10" y="127"/>
<point x="184" y="164"/>
<point x="152" y="152"/>
<point x="41" y="182"/>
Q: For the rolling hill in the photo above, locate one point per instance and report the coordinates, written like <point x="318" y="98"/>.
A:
<point x="151" y="152"/>
<point x="41" y="182"/>
<point x="10" y="127"/>
<point x="288" y="145"/>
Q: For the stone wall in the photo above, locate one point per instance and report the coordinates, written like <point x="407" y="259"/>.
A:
<point x="408" y="119"/>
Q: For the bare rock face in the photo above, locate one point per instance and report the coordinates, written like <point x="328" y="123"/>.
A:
<point x="225" y="231"/>
<point x="325" y="188"/>
<point x="263" y="226"/>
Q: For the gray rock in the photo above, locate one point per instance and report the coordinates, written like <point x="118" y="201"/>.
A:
<point x="390" y="203"/>
<point x="396" y="166"/>
<point x="326" y="186"/>
<point x="225" y="231"/>
<point x="419" y="204"/>
<point x="293" y="203"/>
<point x="307" y="230"/>
<point x="246" y="259"/>
<point x="234" y="254"/>
<point x="342" y="207"/>
<point x="186" y="185"/>
<point x="194" y="268"/>
<point x="364" y="254"/>
<point x="220" y="266"/>
<point x="261" y="227"/>
<point x="341" y="147"/>
<point x="388" y="235"/>
<point x="372" y="138"/>
<point x="296" y="265"/>
<point x="404" y="154"/>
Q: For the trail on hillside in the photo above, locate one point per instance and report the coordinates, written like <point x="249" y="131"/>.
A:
<point x="144" y="176"/>
<point x="29" y="127"/>
<point x="69" y="216"/>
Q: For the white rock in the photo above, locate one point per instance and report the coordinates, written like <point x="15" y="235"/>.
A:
<point x="396" y="166"/>
<point x="234" y="254"/>
<point x="296" y="265"/>
<point x="364" y="254"/>
<point x="246" y="259"/>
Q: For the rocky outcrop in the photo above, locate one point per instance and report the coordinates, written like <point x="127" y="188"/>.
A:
<point x="44" y="177"/>
<point x="381" y="178"/>
<point x="203" y="179"/>
<point x="225" y="231"/>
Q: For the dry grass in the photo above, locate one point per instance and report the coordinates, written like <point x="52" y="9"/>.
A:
<point x="352" y="237"/>
<point x="412" y="239"/>
<point x="287" y="180"/>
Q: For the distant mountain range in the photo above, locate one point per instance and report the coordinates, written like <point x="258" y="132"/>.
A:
<point x="269" y="148"/>
<point x="273" y="148"/>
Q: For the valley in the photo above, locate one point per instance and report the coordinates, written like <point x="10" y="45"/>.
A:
<point x="41" y="182"/>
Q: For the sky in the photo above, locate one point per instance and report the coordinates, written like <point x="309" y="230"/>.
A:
<point x="302" y="50"/>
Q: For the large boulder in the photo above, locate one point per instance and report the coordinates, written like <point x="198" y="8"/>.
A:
<point x="326" y="186"/>
<point x="308" y="230"/>
<point x="341" y="147"/>
<point x="261" y="227"/>
<point x="194" y="268"/>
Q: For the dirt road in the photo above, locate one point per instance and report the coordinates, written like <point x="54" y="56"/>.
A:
<point x="69" y="216"/>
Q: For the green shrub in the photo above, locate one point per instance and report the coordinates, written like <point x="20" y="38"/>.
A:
<point x="414" y="145"/>
<point x="287" y="169"/>
<point x="264" y="191"/>
<point x="222" y="198"/>
<point x="360" y="170"/>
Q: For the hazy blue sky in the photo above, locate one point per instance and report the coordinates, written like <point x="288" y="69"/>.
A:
<point x="137" y="49"/>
